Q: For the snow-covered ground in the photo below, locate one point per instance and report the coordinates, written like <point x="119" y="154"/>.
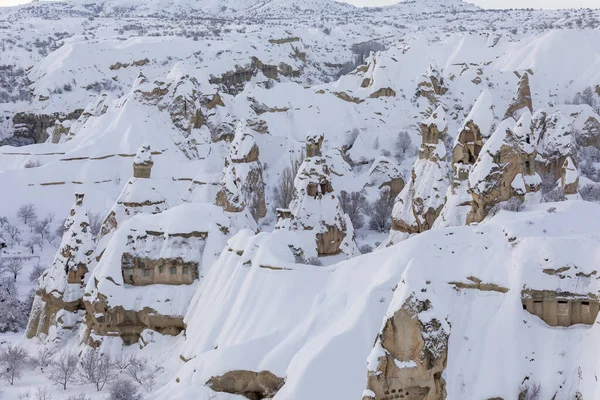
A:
<point x="84" y="85"/>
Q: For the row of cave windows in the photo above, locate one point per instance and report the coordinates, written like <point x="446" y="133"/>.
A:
<point x="562" y="308"/>
<point x="172" y="271"/>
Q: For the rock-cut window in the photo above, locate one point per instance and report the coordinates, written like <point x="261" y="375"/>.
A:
<point x="161" y="269"/>
<point x="185" y="270"/>
<point x="173" y="270"/>
<point x="147" y="272"/>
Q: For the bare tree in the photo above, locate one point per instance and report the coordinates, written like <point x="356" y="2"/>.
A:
<point x="96" y="368"/>
<point x="13" y="233"/>
<point x="63" y="370"/>
<point x="14" y="266"/>
<point x="27" y="213"/>
<point x="284" y="191"/>
<point x="43" y="226"/>
<point x="60" y="229"/>
<point x="42" y="394"/>
<point x="353" y="205"/>
<point x="139" y="372"/>
<point x="42" y="359"/>
<point x="403" y="145"/>
<point x="122" y="389"/>
<point x="381" y="212"/>
<point x="31" y="245"/>
<point x="3" y="220"/>
<point x="36" y="272"/>
<point x="80" y="396"/>
<point x="95" y="223"/>
<point x="13" y="359"/>
<point x="38" y="241"/>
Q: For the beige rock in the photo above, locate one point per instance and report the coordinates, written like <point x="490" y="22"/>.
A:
<point x="415" y="356"/>
<point x="521" y="99"/>
<point x="252" y="385"/>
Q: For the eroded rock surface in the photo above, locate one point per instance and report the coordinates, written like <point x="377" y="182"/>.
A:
<point x="252" y="385"/>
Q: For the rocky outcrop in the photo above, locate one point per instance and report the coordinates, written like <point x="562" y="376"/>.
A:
<point x="242" y="185"/>
<point x="33" y="128"/>
<point x="252" y="385"/>
<point x="553" y="134"/>
<point x="421" y="201"/>
<point x="103" y="320"/>
<point x="477" y="126"/>
<point x="432" y="85"/>
<point x="315" y="207"/>
<point x="142" y="163"/>
<point x="561" y="308"/>
<point x="58" y="300"/>
<point x="467" y="146"/>
<point x="569" y="180"/>
<point x="140" y="195"/>
<point x="505" y="168"/>
<point x="409" y="356"/>
<point x="521" y="100"/>
<point x="385" y="173"/>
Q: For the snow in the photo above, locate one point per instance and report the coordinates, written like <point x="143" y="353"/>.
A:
<point x="258" y="303"/>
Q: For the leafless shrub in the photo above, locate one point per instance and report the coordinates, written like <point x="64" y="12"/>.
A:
<point x="80" y="396"/>
<point x="284" y="191"/>
<point x="36" y="272"/>
<point x="42" y="359"/>
<point x="95" y="223"/>
<point x="380" y="212"/>
<point x="123" y="389"/>
<point x="530" y="392"/>
<point x="42" y="228"/>
<point x="353" y="204"/>
<point x="42" y="394"/>
<point x="13" y="233"/>
<point x="365" y="248"/>
<point x="13" y="359"/>
<point x="96" y="368"/>
<point x="13" y="266"/>
<point x="27" y="213"/>
<point x="63" y="370"/>
<point x="403" y="146"/>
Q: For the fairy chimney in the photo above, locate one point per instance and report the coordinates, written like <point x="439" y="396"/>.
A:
<point x="142" y="163"/>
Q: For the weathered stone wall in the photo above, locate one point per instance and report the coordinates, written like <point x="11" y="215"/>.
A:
<point x="558" y="309"/>
<point x="140" y="271"/>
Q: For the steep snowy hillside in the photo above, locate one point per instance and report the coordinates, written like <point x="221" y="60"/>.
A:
<point x="230" y="161"/>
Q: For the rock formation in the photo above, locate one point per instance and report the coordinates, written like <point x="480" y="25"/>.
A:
<point x="58" y="301"/>
<point x="150" y="271"/>
<point x="385" y="173"/>
<point x="409" y="356"/>
<point x="505" y="168"/>
<point x="94" y="109"/>
<point x="468" y="143"/>
<point x="521" y="100"/>
<point x="555" y="143"/>
<point x="252" y="385"/>
<point x="242" y="185"/>
<point x="421" y="201"/>
<point x="315" y="206"/>
<point x="432" y="86"/>
<point x="140" y="195"/>
<point x="569" y="180"/>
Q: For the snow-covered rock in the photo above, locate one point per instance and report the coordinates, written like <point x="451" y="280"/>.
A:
<point x="421" y="201"/>
<point x="58" y="304"/>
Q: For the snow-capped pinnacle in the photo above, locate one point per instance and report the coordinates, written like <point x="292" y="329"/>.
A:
<point x="505" y="168"/>
<point x="521" y="99"/>
<point x="60" y="290"/>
